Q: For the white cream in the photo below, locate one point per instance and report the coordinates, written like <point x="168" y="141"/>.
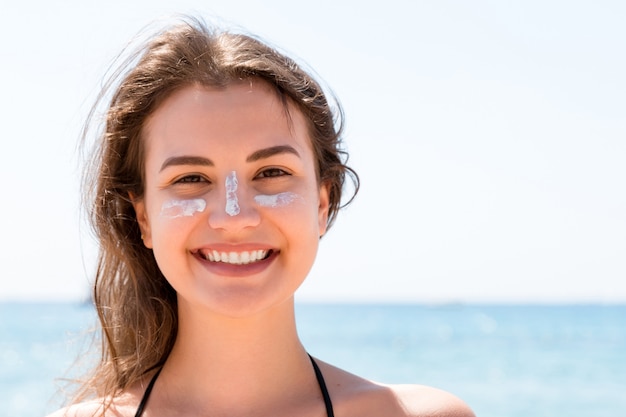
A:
<point x="232" y="203"/>
<point x="277" y="200"/>
<point x="182" y="208"/>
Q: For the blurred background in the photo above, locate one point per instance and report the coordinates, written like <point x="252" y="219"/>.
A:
<point x="490" y="140"/>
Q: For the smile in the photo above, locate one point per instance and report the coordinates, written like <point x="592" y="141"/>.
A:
<point x="235" y="258"/>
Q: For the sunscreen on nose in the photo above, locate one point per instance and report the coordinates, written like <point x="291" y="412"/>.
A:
<point x="182" y="208"/>
<point x="232" y="204"/>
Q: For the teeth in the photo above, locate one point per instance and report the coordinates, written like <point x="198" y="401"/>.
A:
<point x="236" y="258"/>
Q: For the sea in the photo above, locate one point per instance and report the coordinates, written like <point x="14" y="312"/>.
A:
<point x="503" y="360"/>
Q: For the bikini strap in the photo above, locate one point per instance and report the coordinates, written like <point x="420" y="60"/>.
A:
<point x="146" y="394"/>
<point x="320" y="380"/>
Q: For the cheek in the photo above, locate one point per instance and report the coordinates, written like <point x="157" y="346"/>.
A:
<point x="295" y="212"/>
<point x="173" y="209"/>
<point x="286" y="204"/>
<point x="278" y="200"/>
<point x="175" y="216"/>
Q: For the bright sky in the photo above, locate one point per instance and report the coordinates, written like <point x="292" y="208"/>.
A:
<point x="490" y="138"/>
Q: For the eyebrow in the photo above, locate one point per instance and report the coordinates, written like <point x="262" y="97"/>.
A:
<point x="186" y="160"/>
<point x="271" y="151"/>
<point x="255" y="156"/>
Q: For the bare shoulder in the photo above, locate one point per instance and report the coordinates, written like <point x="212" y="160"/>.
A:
<point x="122" y="406"/>
<point x="85" y="409"/>
<point x="420" y="400"/>
<point x="355" y="396"/>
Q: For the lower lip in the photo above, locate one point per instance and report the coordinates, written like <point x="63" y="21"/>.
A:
<point x="230" y="270"/>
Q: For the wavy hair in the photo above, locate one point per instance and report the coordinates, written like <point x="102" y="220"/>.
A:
<point x="136" y="306"/>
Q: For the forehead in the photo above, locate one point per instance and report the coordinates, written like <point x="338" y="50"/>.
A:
<point x="245" y="113"/>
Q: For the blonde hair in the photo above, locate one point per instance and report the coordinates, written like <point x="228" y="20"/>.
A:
<point x="136" y="305"/>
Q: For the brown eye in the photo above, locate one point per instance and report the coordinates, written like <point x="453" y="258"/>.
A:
<point x="190" y="179"/>
<point x="272" y="172"/>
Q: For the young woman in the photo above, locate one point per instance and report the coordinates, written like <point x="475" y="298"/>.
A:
<point x="217" y="173"/>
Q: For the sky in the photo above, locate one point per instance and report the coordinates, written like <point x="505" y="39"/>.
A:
<point x="490" y="138"/>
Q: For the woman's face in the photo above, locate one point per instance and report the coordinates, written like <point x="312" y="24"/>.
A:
<point x="232" y="207"/>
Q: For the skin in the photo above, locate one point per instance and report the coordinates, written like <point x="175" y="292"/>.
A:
<point x="237" y="352"/>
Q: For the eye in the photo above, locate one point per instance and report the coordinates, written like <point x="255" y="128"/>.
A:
<point x="272" y="172"/>
<point x="191" y="179"/>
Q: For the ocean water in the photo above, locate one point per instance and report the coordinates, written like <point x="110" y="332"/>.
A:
<point x="505" y="361"/>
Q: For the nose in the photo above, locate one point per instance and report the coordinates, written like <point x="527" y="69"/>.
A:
<point x="234" y="209"/>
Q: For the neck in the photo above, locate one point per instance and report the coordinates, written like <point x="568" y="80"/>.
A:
<point x="228" y="362"/>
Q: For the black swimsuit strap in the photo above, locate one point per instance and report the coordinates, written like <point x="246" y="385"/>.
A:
<point x="146" y="394"/>
<point x="322" y="384"/>
<point x="318" y="375"/>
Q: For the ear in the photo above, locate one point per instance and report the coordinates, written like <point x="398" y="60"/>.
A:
<point x="323" y="208"/>
<point x="142" y="219"/>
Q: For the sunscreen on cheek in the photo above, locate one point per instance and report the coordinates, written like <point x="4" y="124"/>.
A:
<point x="182" y="208"/>
<point x="277" y="200"/>
<point x="232" y="204"/>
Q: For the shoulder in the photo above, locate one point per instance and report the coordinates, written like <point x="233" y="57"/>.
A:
<point x="355" y="396"/>
<point x="122" y="406"/>
<point x="420" y="400"/>
<point x="85" y="409"/>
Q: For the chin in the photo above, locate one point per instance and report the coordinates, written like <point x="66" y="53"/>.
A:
<point x="237" y="304"/>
